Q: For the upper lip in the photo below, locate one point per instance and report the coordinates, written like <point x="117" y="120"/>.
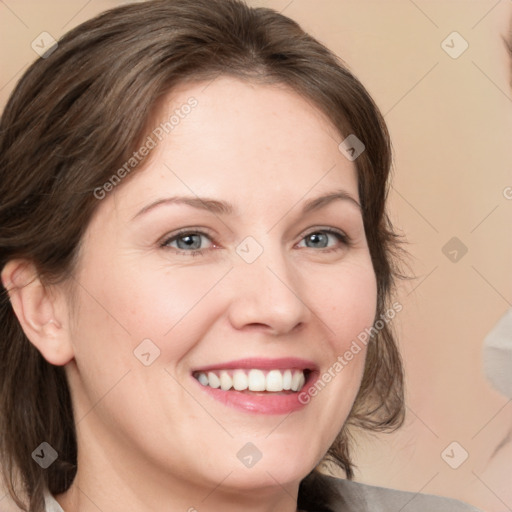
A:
<point x="282" y="363"/>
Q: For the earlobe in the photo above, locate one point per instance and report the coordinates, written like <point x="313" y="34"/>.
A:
<point x="41" y="311"/>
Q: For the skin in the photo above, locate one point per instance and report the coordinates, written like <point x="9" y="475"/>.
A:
<point x="149" y="438"/>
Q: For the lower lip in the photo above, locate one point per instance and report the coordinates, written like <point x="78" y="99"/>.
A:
<point x="260" y="403"/>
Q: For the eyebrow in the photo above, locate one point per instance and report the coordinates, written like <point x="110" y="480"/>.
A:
<point x="224" y="208"/>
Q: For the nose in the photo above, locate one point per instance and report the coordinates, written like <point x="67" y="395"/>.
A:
<point x="268" y="295"/>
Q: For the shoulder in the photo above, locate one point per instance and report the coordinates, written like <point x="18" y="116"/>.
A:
<point x="382" y="499"/>
<point x="326" y="493"/>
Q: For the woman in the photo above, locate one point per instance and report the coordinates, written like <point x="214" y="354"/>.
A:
<point x="197" y="266"/>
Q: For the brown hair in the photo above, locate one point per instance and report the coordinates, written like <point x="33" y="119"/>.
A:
<point x="78" y="114"/>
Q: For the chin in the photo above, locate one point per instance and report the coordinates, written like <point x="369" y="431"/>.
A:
<point x="266" y="477"/>
<point x="275" y="467"/>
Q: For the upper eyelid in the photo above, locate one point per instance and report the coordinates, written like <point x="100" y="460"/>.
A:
<point x="187" y="231"/>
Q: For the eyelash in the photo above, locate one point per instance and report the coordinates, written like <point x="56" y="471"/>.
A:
<point x="342" y="237"/>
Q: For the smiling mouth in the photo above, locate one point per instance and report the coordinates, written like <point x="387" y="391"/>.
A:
<point x="255" y="380"/>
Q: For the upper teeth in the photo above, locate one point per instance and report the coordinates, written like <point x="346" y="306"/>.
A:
<point x="253" y="380"/>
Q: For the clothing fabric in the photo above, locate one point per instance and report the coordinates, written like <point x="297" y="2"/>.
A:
<point x="497" y="355"/>
<point x="51" y="504"/>
<point x="322" y="493"/>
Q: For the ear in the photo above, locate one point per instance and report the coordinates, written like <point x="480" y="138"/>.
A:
<point x="42" y="311"/>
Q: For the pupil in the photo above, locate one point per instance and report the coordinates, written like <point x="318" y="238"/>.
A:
<point x="318" y="237"/>
<point x="189" y="241"/>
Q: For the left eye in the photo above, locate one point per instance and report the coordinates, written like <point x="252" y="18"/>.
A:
<point x="320" y="239"/>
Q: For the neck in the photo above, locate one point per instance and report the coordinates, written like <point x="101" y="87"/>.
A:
<point x="129" y="484"/>
<point x="81" y="497"/>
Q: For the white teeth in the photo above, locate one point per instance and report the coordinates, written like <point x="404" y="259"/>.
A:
<point x="226" y="382"/>
<point x="213" y="380"/>
<point x="254" y="380"/>
<point x="302" y="381"/>
<point x="240" y="380"/>
<point x="287" y="379"/>
<point x="274" y="381"/>
<point x="257" y="381"/>
<point x="296" y="381"/>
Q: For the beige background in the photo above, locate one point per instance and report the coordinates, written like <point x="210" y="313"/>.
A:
<point x="451" y="124"/>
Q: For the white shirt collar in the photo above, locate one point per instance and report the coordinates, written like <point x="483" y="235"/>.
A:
<point x="51" y="504"/>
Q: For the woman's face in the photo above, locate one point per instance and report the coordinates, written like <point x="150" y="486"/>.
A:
<point x="217" y="264"/>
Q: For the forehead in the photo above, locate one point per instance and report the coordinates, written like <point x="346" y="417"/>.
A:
<point x="257" y="117"/>
<point x="254" y="141"/>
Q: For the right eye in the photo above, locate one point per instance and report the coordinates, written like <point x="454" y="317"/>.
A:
<point x="188" y="243"/>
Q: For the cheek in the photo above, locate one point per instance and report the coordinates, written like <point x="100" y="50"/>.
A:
<point x="346" y="306"/>
<point x="167" y="305"/>
<point x="346" y="301"/>
<point x="121" y="306"/>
